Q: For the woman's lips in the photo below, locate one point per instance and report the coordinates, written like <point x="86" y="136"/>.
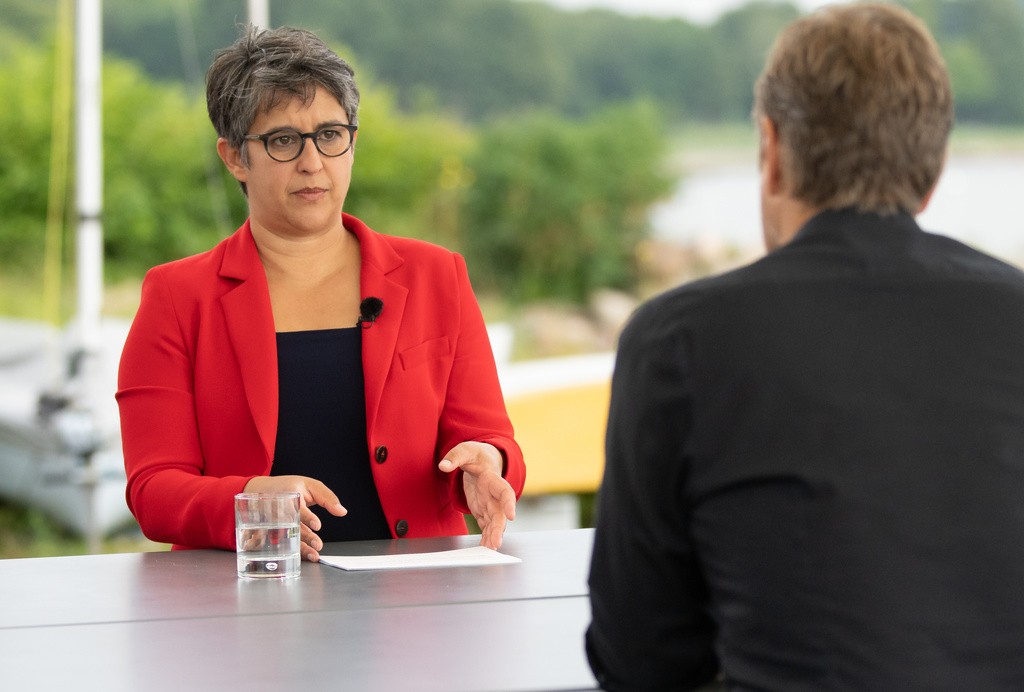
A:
<point x="311" y="193"/>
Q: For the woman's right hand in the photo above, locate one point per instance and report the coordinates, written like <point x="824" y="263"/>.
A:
<point x="312" y="492"/>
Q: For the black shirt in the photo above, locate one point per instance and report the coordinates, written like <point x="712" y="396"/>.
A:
<point x="321" y="429"/>
<point x="814" y="476"/>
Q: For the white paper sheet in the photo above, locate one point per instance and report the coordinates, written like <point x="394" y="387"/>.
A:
<point x="463" y="557"/>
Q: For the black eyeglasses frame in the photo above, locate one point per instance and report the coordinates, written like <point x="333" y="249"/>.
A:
<point x="303" y="136"/>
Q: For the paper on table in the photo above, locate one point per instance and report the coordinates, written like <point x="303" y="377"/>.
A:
<point x="463" y="557"/>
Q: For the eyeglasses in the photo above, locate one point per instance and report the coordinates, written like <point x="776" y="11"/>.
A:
<point x="287" y="145"/>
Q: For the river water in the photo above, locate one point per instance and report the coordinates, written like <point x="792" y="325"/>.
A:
<point x="978" y="201"/>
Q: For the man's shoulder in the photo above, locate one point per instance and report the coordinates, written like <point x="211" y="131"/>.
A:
<point x="969" y="261"/>
<point x="704" y="291"/>
<point x="686" y="307"/>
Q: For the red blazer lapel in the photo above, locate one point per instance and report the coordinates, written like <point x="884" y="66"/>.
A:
<point x="250" y="327"/>
<point x="379" y="339"/>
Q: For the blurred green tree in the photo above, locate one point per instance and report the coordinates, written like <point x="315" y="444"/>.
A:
<point x="166" y="194"/>
<point x="545" y="206"/>
<point x="409" y="171"/>
<point x="485" y="58"/>
<point x="157" y="202"/>
<point x="556" y="208"/>
<point x="740" y="42"/>
<point x="26" y="79"/>
<point x="983" y="44"/>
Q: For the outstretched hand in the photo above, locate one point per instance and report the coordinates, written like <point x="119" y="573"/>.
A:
<point x="489" y="496"/>
<point x="312" y="492"/>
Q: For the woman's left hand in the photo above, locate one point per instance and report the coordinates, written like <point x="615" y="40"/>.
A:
<point x="491" y="499"/>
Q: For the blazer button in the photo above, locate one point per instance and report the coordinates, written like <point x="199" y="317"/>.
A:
<point x="380" y="454"/>
<point x="401" y="527"/>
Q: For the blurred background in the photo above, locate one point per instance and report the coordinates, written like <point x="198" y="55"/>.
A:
<point x="582" y="154"/>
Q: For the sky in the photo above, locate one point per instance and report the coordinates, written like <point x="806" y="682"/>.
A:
<point x="699" y="11"/>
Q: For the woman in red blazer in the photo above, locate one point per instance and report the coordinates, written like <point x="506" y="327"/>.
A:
<point x="199" y="390"/>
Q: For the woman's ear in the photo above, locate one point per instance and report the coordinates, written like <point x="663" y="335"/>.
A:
<point x="232" y="158"/>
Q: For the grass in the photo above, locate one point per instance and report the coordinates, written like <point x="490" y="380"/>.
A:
<point x="698" y="143"/>
<point x="27" y="532"/>
<point x="22" y="291"/>
<point x="21" y="295"/>
<point x="974" y="139"/>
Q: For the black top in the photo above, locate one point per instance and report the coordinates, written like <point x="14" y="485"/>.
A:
<point x="814" y="476"/>
<point x="321" y="429"/>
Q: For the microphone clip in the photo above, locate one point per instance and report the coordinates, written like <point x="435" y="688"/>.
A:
<point x="370" y="309"/>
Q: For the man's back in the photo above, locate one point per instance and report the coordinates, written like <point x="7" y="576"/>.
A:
<point x="834" y="456"/>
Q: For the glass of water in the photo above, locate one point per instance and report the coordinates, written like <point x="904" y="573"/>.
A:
<point x="267" y="534"/>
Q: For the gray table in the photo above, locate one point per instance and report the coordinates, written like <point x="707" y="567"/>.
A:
<point x="183" y="620"/>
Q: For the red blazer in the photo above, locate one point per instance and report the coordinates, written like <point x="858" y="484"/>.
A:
<point x="197" y="388"/>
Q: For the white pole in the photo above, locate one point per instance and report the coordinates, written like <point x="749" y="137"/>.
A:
<point x="89" y="237"/>
<point x="259" y="13"/>
<point x="89" y="172"/>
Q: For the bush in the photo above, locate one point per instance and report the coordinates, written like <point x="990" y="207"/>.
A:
<point x="556" y="208"/>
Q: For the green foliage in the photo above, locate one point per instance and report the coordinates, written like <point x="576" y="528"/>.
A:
<point x="27" y="532"/>
<point x="983" y="44"/>
<point x="487" y="58"/>
<point x="970" y="74"/>
<point x="408" y="177"/>
<point x="23" y="22"/>
<point x="742" y="40"/>
<point x="567" y="200"/>
<point x="172" y="40"/>
<point x="556" y="208"/>
<point x="544" y="205"/>
<point x="158" y="159"/>
<point x="165" y="195"/>
<point x="26" y="80"/>
<point x="612" y="61"/>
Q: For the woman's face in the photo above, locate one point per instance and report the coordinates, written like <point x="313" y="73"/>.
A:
<point x="300" y="198"/>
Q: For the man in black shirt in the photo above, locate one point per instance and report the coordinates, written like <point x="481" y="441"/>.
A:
<point x="815" y="464"/>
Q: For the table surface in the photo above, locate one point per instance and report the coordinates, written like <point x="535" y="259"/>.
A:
<point x="162" y="620"/>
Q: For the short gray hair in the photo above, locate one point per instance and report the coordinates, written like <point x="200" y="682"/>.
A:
<point x="265" y="67"/>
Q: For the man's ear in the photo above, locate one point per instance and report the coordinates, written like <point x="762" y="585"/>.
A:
<point x="770" y="159"/>
<point x="928" y="196"/>
<point x="232" y="158"/>
<point x="926" y="200"/>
